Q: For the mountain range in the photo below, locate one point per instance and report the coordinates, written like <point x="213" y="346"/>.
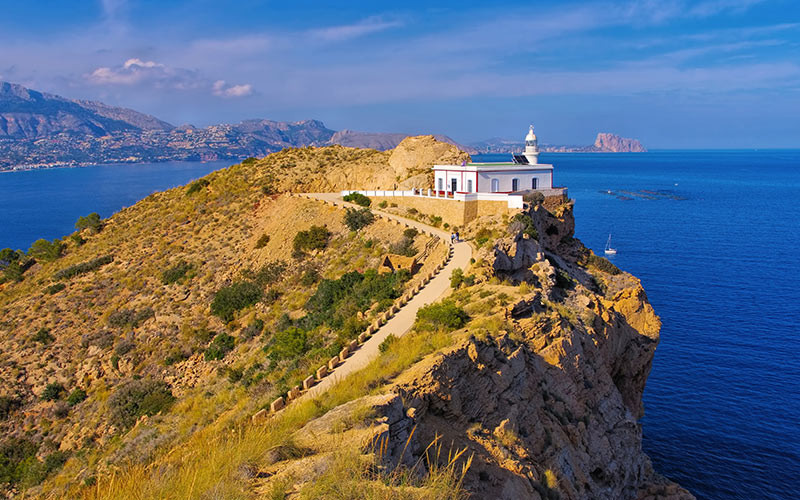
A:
<point x="44" y="130"/>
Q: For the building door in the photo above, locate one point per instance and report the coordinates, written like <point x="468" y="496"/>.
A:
<point x="495" y="185"/>
<point x="534" y="183"/>
<point x="453" y="185"/>
<point x="514" y="185"/>
<point x="469" y="185"/>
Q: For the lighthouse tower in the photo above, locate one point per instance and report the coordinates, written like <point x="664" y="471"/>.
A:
<point x="531" y="147"/>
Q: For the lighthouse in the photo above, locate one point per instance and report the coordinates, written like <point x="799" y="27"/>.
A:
<point x="531" y="147"/>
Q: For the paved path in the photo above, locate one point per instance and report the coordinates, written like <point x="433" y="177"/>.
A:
<point x="402" y="321"/>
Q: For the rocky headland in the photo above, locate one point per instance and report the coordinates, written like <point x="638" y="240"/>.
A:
<point x="135" y="352"/>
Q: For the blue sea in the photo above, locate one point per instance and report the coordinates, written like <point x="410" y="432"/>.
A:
<point x="714" y="237"/>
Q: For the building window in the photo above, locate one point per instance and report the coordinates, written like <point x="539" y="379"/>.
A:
<point x="495" y="185"/>
<point x="453" y="185"/>
<point x="469" y="185"/>
<point x="515" y="184"/>
<point x="534" y="183"/>
<point x="440" y="186"/>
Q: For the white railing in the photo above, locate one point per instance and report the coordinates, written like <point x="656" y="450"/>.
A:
<point x="513" y="200"/>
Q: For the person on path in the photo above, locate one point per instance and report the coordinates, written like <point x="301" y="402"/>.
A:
<point x="457" y="237"/>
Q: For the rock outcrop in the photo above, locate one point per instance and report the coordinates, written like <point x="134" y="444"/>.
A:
<point x="612" y="143"/>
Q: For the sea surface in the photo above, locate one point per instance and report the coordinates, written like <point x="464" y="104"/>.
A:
<point x="713" y="235"/>
<point x="45" y="203"/>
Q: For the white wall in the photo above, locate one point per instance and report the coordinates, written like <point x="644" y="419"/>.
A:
<point x="544" y="180"/>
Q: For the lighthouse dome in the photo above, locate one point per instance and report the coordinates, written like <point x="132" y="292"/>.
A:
<point x="531" y="136"/>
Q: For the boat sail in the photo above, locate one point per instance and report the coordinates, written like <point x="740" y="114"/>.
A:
<point x="609" y="250"/>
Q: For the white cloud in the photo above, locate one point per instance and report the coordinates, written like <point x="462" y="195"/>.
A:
<point x="135" y="71"/>
<point x="222" y="89"/>
<point x="350" y="31"/>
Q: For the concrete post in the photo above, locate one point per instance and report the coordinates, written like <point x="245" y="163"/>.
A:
<point x="333" y="363"/>
<point x="343" y="354"/>
<point x="352" y="345"/>
<point x="308" y="382"/>
<point x="362" y="338"/>
<point x="259" y="416"/>
<point x="322" y="371"/>
<point x="277" y="405"/>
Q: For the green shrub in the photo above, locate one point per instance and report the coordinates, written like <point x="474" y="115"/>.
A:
<point x="46" y="251"/>
<point x="77" y="239"/>
<point x="314" y="238"/>
<point x="18" y="461"/>
<point x="358" y="199"/>
<point x="176" y="356"/>
<point x="534" y="197"/>
<point x="309" y="277"/>
<point x="196" y="186"/>
<point x="262" y="241"/>
<point x="53" y="391"/>
<point x="235" y="297"/>
<point x="602" y="264"/>
<point x="288" y="344"/>
<point x="136" y="398"/>
<point x="53" y="289"/>
<point x="124" y="347"/>
<point x="383" y="204"/>
<point x="356" y="219"/>
<point x="8" y="404"/>
<point x="76" y="396"/>
<point x="442" y="315"/>
<point x="83" y="267"/>
<point x="404" y="247"/>
<point x="93" y="222"/>
<point x="252" y="330"/>
<point x="458" y="278"/>
<point x="8" y="256"/>
<point x="176" y="273"/>
<point x="410" y="232"/>
<point x="130" y="317"/>
<point x="43" y="336"/>
<point x="436" y="220"/>
<point x="387" y="343"/>
<point x="268" y="274"/>
<point x="220" y="346"/>
<point x="523" y="222"/>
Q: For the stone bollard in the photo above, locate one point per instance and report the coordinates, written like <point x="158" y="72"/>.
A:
<point x="362" y="338"/>
<point x="277" y="405"/>
<point x="343" y="354"/>
<point x="333" y="363"/>
<point x="259" y="416"/>
<point x="308" y="382"/>
<point x="353" y="345"/>
<point x="370" y="330"/>
<point x="322" y="372"/>
<point x="395" y="309"/>
<point x="294" y="393"/>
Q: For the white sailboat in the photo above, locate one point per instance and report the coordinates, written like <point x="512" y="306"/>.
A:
<point x="609" y="250"/>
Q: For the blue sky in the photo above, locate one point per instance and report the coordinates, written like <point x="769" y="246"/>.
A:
<point x="673" y="73"/>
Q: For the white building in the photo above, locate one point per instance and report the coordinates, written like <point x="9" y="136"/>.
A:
<point x="524" y="173"/>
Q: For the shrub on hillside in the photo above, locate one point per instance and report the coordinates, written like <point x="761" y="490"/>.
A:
<point x="53" y="391"/>
<point x="19" y="465"/>
<point x="136" y="398"/>
<point x="46" y="251"/>
<point x="76" y="396"/>
<point x="197" y="185"/>
<point x="43" y="336"/>
<point x="356" y="219"/>
<point x="254" y="329"/>
<point x="53" y="289"/>
<point x="288" y="344"/>
<point x="130" y="317"/>
<point x="262" y="241"/>
<point x="523" y="222"/>
<point x="309" y="277"/>
<point x="92" y="222"/>
<point x="358" y="199"/>
<point x="387" y="343"/>
<point x="268" y="274"/>
<point x="220" y="346"/>
<point x="533" y="197"/>
<point x="83" y="267"/>
<point x="458" y="278"/>
<point x="8" y="404"/>
<point x="444" y="314"/>
<point x="176" y="273"/>
<point x="314" y="238"/>
<point x="235" y="297"/>
<point x="404" y="247"/>
<point x="602" y="264"/>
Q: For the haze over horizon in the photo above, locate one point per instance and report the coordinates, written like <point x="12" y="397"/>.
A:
<point x="673" y="74"/>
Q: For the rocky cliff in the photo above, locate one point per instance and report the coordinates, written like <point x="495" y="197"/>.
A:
<point x="541" y="394"/>
<point x="615" y="144"/>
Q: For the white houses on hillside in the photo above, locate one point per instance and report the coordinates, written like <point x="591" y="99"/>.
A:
<point x="524" y="173"/>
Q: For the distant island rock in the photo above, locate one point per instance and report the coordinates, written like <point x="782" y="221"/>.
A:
<point x="604" y="143"/>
